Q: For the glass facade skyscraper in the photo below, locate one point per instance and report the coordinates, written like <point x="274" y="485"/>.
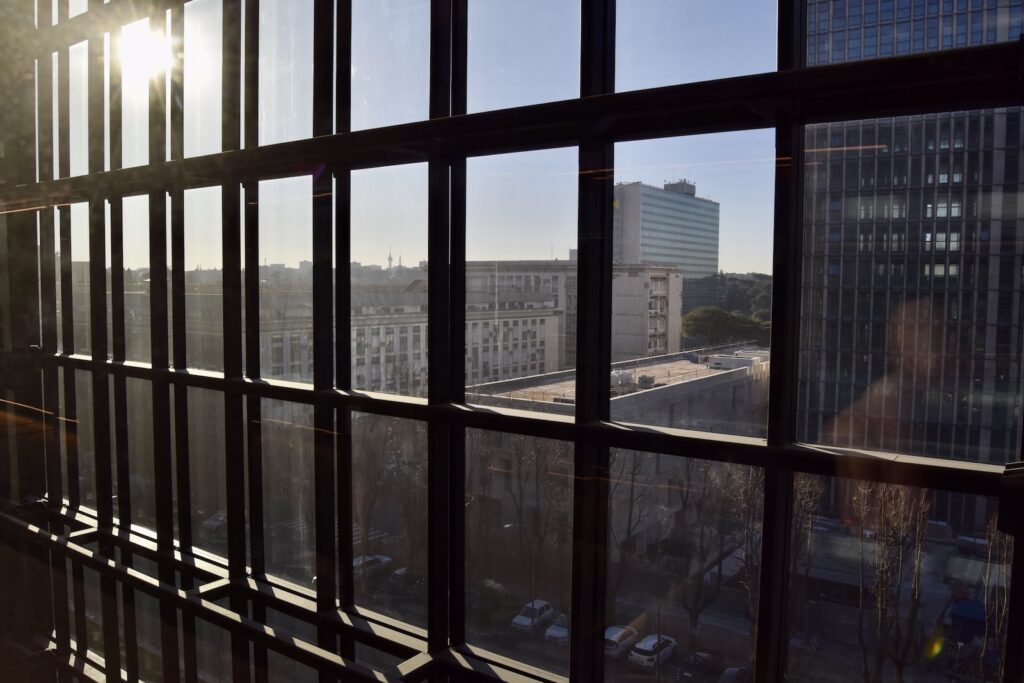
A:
<point x="911" y="333"/>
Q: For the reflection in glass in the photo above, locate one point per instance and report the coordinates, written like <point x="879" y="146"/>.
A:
<point x="285" y="70"/>
<point x="889" y="582"/>
<point x="83" y="434"/>
<point x="78" y="104"/>
<point x="518" y="544"/>
<point x="287" y="449"/>
<point x="141" y="479"/>
<point x="389" y="299"/>
<point x="911" y="285"/>
<point x="684" y="549"/>
<point x="147" y="635"/>
<point x="286" y="278"/>
<point x="521" y="238"/>
<point x="665" y="42"/>
<point x="80" y="282"/>
<point x="390" y="62"/>
<point x="135" y="221"/>
<point x="134" y="95"/>
<point x="202" y="78"/>
<point x="389" y="503"/>
<point x="691" y="321"/>
<point x="204" y="280"/>
<point x="522" y="52"/>
<point x="207" y="470"/>
<point x="213" y="652"/>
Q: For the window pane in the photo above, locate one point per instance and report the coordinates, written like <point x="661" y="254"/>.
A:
<point x="889" y="582"/>
<point x="285" y="70"/>
<point x="389" y="299"/>
<point x="522" y="52"/>
<point x="80" y="282"/>
<point x="521" y="279"/>
<point x="78" y="102"/>
<point x="286" y="432"/>
<point x="135" y="250"/>
<point x="83" y="436"/>
<point x="204" y="280"/>
<point x="202" y="76"/>
<point x="286" y="278"/>
<point x="141" y="478"/>
<point x="207" y="470"/>
<point x="684" y="550"/>
<point x="665" y="42"/>
<point x="911" y="285"/>
<point x="135" y="80"/>
<point x="389" y="502"/>
<point x="691" y="321"/>
<point x="518" y="545"/>
<point x="390" y="62"/>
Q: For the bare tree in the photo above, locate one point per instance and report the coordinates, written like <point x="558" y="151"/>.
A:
<point x="746" y="500"/>
<point x="996" y="599"/>
<point x="890" y="599"/>
<point x="630" y="498"/>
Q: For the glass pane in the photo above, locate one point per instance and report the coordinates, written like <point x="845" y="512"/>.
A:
<point x="80" y="283"/>
<point x="389" y="299"/>
<point x="213" y="652"/>
<point x="691" y="321"/>
<point x="522" y="52"/>
<point x="135" y="222"/>
<point x="204" y="280"/>
<point x="519" y="546"/>
<point x="202" y="76"/>
<point x="390" y="62"/>
<point x="147" y="636"/>
<point x="78" y="102"/>
<point x="684" y="550"/>
<point x="207" y="471"/>
<point x="896" y="583"/>
<point x="521" y="232"/>
<point x="911" y="285"/>
<point x="389" y="503"/>
<point x="286" y="278"/>
<point x="665" y="42"/>
<point x="842" y="32"/>
<point x="135" y="78"/>
<point x="285" y="70"/>
<point x="141" y="478"/>
<point x="286" y="431"/>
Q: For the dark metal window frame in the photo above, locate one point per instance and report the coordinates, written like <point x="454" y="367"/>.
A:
<point x="785" y="100"/>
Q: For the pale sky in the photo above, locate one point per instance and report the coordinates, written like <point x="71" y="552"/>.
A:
<point x="520" y="52"/>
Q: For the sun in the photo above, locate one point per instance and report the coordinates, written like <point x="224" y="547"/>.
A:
<point x="144" y="53"/>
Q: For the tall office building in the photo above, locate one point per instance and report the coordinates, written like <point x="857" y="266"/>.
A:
<point x="669" y="226"/>
<point x="911" y="336"/>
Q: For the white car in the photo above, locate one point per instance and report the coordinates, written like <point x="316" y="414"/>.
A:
<point x="652" y="650"/>
<point x="368" y="566"/>
<point x="558" y="632"/>
<point x="535" y="615"/>
<point x="618" y="640"/>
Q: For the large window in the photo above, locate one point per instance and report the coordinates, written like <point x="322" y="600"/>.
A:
<point x="476" y="339"/>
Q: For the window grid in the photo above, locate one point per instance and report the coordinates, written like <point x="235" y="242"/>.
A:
<point x="444" y="144"/>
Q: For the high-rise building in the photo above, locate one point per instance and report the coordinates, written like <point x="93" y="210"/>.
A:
<point x="666" y="226"/>
<point x="911" y="339"/>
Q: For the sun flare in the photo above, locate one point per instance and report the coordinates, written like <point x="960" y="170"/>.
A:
<point x="144" y="53"/>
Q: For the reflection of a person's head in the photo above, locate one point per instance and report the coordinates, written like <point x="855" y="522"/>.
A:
<point x="914" y="338"/>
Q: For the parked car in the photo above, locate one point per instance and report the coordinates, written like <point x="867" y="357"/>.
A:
<point x="700" y="666"/>
<point x="618" y="640"/>
<point x="558" y="632"/>
<point x="369" y="566"/>
<point x="534" y="616"/>
<point x="652" y="650"/>
<point x="735" y="674"/>
<point x="406" y="581"/>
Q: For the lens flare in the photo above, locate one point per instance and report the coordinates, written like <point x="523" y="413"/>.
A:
<point x="933" y="648"/>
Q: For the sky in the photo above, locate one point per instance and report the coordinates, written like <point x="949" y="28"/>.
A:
<point x="523" y="52"/>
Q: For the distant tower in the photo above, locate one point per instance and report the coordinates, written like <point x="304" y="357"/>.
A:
<point x="389" y="257"/>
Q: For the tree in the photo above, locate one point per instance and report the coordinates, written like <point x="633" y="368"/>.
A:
<point x="890" y="600"/>
<point x="996" y="600"/>
<point x="709" y="322"/>
<point x="746" y="500"/>
<point x="631" y="503"/>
